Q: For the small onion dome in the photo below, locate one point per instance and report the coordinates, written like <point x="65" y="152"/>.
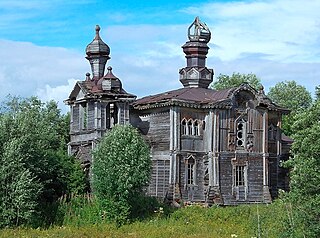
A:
<point x="97" y="46"/>
<point x="109" y="82"/>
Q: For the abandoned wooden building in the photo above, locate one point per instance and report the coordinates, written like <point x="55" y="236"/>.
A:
<point x="207" y="146"/>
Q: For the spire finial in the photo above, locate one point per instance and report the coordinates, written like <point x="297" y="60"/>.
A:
<point x="200" y="32"/>
<point x="97" y="32"/>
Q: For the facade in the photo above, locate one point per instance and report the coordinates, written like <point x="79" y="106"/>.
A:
<point x="207" y="146"/>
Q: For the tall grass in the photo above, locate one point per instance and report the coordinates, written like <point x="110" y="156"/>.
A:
<point x="84" y="218"/>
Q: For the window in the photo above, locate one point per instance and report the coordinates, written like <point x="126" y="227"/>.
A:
<point x="196" y="128"/>
<point x="191" y="171"/>
<point x="241" y="133"/>
<point x="184" y="127"/>
<point x="111" y="115"/>
<point x="272" y="132"/>
<point x="239" y="176"/>
<point x="189" y="127"/>
<point x="84" y="116"/>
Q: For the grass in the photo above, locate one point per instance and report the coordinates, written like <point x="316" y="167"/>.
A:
<point x="192" y="221"/>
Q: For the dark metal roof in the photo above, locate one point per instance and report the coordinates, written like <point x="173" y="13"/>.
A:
<point x="191" y="95"/>
<point x="203" y="98"/>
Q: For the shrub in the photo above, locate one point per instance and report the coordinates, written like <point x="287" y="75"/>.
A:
<point x="121" y="168"/>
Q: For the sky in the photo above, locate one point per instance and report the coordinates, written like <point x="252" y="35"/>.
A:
<point x="42" y="43"/>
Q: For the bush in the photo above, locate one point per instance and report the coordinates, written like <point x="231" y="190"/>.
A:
<point x="121" y="168"/>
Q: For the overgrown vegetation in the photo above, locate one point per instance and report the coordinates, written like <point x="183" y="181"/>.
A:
<point x="42" y="187"/>
<point x="305" y="173"/>
<point x="34" y="167"/>
<point x="121" y="168"/>
<point x="83" y="219"/>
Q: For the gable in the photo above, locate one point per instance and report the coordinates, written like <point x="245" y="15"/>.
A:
<point x="76" y="93"/>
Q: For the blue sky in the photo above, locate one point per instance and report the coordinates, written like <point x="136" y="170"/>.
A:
<point x="42" y="43"/>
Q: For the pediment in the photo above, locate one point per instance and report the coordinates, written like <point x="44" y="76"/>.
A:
<point x="77" y="92"/>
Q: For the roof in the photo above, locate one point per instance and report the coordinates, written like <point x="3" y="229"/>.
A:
<point x="90" y="89"/>
<point x="197" y="95"/>
<point x="201" y="98"/>
<point x="286" y="139"/>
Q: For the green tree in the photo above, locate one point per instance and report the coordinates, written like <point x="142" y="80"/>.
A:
<point x="19" y="188"/>
<point x="121" y="168"/>
<point x="317" y="92"/>
<point x="39" y="131"/>
<point x="290" y="95"/>
<point x="305" y="172"/>
<point x="236" y="79"/>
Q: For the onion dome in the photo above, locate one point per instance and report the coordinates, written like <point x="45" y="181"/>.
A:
<point x="97" y="46"/>
<point x="97" y="54"/>
<point x="109" y="82"/>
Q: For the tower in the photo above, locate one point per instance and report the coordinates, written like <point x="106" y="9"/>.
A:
<point x="196" y="74"/>
<point x="96" y="103"/>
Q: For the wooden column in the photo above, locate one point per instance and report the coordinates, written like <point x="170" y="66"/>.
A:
<point x="265" y="148"/>
<point x="210" y="147"/>
<point x="215" y="149"/>
<point x="95" y="115"/>
<point x="71" y="118"/>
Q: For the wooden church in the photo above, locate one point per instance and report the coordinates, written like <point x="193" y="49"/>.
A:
<point x="207" y="146"/>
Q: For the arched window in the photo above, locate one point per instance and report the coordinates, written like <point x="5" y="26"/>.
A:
<point x="196" y="128"/>
<point x="189" y="127"/>
<point x="272" y="132"/>
<point x="184" y="127"/>
<point x="191" y="171"/>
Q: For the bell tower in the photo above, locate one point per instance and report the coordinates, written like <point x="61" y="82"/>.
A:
<point x="196" y="74"/>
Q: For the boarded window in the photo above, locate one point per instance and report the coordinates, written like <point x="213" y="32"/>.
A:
<point x="159" y="178"/>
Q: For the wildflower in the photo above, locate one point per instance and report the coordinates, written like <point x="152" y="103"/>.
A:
<point x="234" y="235"/>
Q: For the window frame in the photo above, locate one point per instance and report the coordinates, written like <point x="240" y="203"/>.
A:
<point x="190" y="171"/>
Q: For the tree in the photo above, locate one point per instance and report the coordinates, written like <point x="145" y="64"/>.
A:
<point x="292" y="96"/>
<point x="305" y="176"/>
<point x="19" y="188"/>
<point x="235" y="80"/>
<point x="317" y="92"/>
<point x="121" y="168"/>
<point x="34" y="137"/>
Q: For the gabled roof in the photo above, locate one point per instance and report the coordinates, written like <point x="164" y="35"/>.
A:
<point x="90" y="90"/>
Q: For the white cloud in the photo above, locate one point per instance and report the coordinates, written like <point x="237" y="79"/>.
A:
<point x="58" y="93"/>
<point x="25" y="68"/>
<point x="277" y="40"/>
<point x="265" y="27"/>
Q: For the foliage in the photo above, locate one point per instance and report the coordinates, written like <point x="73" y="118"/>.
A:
<point x="121" y="168"/>
<point x="317" y="92"/>
<point x="192" y="221"/>
<point x="305" y="175"/>
<point x="34" y="137"/>
<point x="235" y="80"/>
<point x="19" y="188"/>
<point x="292" y="96"/>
